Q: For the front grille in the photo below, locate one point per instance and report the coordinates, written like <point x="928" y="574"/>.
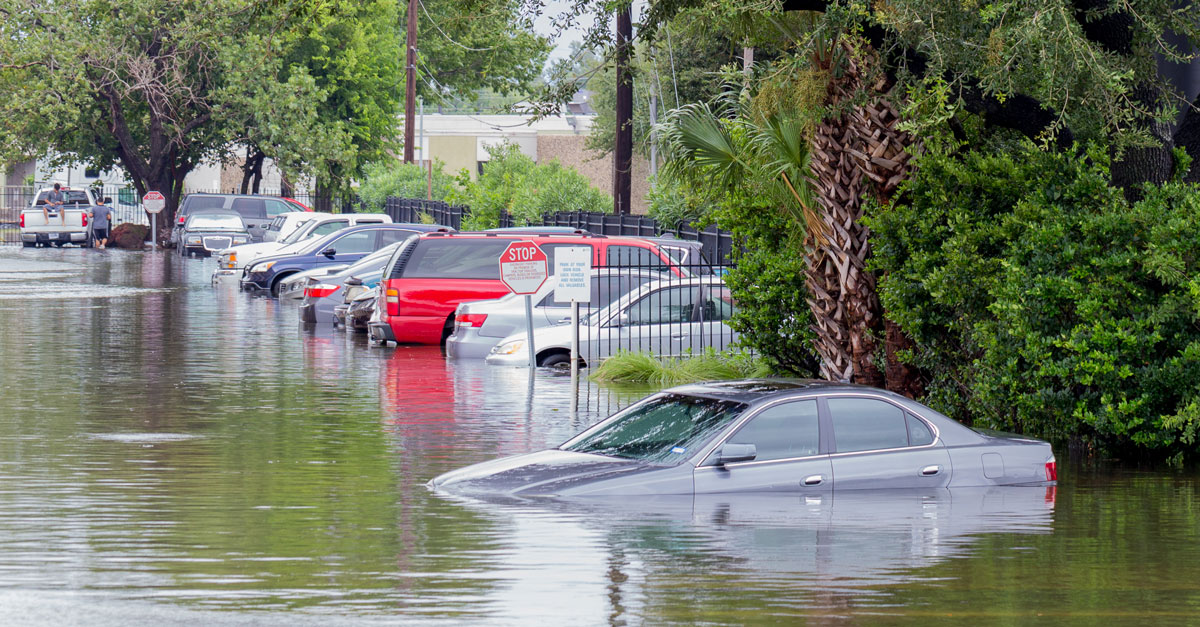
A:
<point x="217" y="243"/>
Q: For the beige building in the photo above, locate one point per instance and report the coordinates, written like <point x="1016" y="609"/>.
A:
<point x="461" y="142"/>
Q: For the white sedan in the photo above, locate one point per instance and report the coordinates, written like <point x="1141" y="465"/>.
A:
<point x="668" y="318"/>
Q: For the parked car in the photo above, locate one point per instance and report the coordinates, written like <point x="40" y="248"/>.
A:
<point x="321" y="295"/>
<point x="359" y="313"/>
<point x="479" y="325"/>
<point x="71" y="227"/>
<point x="206" y="233"/>
<point x="667" y="318"/>
<point x="765" y="436"/>
<point x="423" y="286"/>
<point x="256" y="211"/>
<point x="292" y="287"/>
<point x="312" y="225"/>
<point x="284" y="223"/>
<point x="345" y="246"/>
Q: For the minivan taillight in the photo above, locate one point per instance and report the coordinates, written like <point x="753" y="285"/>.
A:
<point x="1052" y="470"/>
<point x="392" y="298"/>
<point x="470" y="320"/>
<point x="320" y="290"/>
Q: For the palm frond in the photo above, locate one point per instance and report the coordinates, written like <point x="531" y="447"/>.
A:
<point x="782" y="141"/>
<point x="699" y="143"/>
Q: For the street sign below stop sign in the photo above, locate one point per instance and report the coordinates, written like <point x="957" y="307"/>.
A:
<point x="523" y="267"/>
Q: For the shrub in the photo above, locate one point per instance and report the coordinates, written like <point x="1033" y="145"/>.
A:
<point x="402" y="180"/>
<point x="1042" y="301"/>
<point x="673" y="203"/>
<point x="512" y="182"/>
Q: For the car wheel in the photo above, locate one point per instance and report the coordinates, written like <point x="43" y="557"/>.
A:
<point x="556" y="360"/>
<point x="277" y="283"/>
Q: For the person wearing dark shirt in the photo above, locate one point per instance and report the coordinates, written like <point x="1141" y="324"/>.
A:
<point x="100" y="222"/>
<point x="55" y="200"/>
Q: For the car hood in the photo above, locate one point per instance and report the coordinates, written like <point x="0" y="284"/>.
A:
<point x="545" y="473"/>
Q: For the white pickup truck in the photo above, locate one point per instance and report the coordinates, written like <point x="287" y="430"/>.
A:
<point x="71" y="227"/>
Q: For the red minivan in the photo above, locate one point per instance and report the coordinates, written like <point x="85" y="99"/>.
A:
<point x="428" y="277"/>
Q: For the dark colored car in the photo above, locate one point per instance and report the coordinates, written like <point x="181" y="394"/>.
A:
<point x="766" y="435"/>
<point x="343" y="247"/>
<point x="256" y="211"/>
<point x="205" y="233"/>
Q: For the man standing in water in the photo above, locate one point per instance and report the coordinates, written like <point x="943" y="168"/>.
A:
<point x="55" y="200"/>
<point x="100" y="218"/>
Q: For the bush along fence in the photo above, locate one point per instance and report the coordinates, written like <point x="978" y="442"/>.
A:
<point x="718" y="244"/>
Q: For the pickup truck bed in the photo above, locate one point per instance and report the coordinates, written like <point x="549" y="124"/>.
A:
<point x="71" y="228"/>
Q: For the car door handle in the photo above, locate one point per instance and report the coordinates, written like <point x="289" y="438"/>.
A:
<point x="814" y="480"/>
<point x="930" y="471"/>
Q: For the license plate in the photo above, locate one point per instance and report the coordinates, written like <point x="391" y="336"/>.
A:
<point x="52" y="235"/>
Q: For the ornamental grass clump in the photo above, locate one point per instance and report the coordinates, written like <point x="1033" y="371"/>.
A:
<point x="641" y="367"/>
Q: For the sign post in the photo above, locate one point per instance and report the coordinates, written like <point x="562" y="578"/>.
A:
<point x="154" y="202"/>
<point x="572" y="266"/>
<point x="523" y="269"/>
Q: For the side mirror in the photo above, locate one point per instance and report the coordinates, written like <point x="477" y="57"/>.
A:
<point x="107" y="200"/>
<point x="329" y="252"/>
<point x="731" y="453"/>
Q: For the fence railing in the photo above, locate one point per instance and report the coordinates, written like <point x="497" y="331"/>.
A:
<point x="718" y="245"/>
<point x="667" y="313"/>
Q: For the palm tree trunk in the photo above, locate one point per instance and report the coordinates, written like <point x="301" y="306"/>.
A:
<point x="855" y="153"/>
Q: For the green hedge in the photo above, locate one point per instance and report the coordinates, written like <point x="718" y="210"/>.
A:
<point x="1043" y="302"/>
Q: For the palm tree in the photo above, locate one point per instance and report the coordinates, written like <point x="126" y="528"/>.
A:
<point x="854" y="150"/>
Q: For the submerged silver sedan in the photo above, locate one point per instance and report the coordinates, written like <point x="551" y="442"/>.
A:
<point x="765" y="435"/>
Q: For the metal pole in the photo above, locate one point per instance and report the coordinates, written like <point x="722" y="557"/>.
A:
<point x="575" y="343"/>
<point x="153" y="231"/>
<point x="529" y="329"/>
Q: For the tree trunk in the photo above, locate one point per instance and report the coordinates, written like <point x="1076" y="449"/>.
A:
<point x="252" y="171"/>
<point x="855" y="153"/>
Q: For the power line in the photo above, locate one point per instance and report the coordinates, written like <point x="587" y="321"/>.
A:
<point x="448" y="37"/>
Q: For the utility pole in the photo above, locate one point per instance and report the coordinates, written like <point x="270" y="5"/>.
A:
<point x="410" y="87"/>
<point x="623" y="151"/>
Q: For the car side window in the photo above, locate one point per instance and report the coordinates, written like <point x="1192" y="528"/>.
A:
<point x="353" y="243"/>
<point x="784" y="431"/>
<point x="250" y="207"/>
<point x="635" y="257"/>
<point x="865" y="424"/>
<point x="718" y="305"/>
<point x="672" y="305"/>
<point x="276" y="207"/>
<point x="330" y="227"/>
<point x="391" y="236"/>
<point x="918" y="432"/>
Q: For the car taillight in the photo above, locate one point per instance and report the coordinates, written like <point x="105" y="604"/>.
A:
<point x="1052" y="470"/>
<point x="85" y="219"/>
<point x="470" y="320"/>
<point x="182" y="219"/>
<point x="320" y="290"/>
<point x="22" y="220"/>
<point x="392" y="298"/>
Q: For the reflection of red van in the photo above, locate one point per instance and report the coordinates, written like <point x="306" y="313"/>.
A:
<point x="425" y="280"/>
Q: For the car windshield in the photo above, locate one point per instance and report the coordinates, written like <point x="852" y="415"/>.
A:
<point x="663" y="429"/>
<point x="214" y="221"/>
<point x="297" y="234"/>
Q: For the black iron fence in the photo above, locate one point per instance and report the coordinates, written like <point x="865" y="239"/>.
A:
<point x="680" y="312"/>
<point x="718" y="245"/>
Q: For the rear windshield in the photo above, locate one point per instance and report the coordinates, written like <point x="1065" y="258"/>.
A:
<point x="192" y="203"/>
<point x="457" y="259"/>
<point x="70" y="197"/>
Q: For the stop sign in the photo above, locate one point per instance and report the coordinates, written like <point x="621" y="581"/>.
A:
<point x="523" y="267"/>
<point x="154" y="202"/>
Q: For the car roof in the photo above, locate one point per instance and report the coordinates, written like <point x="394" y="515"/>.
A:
<point x="753" y="390"/>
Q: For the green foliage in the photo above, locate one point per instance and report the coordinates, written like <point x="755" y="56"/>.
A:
<point x="403" y="180"/>
<point x="629" y="367"/>
<point x="512" y="182"/>
<point x="672" y="203"/>
<point x="1042" y="301"/>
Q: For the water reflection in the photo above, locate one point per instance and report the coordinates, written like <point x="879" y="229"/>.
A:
<point x="180" y="452"/>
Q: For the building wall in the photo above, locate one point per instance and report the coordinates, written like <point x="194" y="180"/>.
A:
<point x="570" y="151"/>
<point x="456" y="151"/>
<point x="15" y="173"/>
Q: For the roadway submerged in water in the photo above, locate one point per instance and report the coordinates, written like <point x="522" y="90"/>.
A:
<point x="172" y="452"/>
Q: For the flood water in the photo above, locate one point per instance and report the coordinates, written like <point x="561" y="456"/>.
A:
<point x="171" y="452"/>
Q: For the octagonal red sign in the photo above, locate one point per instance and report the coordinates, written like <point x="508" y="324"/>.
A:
<point x="523" y="267"/>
